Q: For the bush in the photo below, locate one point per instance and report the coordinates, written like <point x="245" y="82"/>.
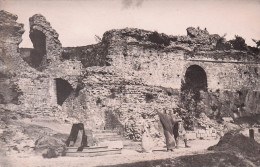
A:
<point x="238" y="43"/>
<point x="149" y="97"/>
<point x="160" y="39"/>
<point x="222" y="44"/>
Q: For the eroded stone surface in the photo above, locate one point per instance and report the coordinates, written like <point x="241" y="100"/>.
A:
<point x="41" y="28"/>
<point x="124" y="78"/>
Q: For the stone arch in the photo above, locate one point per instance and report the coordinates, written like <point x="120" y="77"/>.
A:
<point x="63" y="90"/>
<point x="195" y="78"/>
<point x="38" y="39"/>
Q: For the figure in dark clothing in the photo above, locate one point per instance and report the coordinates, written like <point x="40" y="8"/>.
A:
<point x="77" y="137"/>
<point x="167" y="124"/>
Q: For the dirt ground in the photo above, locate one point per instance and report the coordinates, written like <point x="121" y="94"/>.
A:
<point x="127" y="156"/>
<point x="24" y="129"/>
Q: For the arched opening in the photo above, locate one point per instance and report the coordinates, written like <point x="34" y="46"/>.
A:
<point x="39" y="43"/>
<point x="196" y="78"/>
<point x="63" y="90"/>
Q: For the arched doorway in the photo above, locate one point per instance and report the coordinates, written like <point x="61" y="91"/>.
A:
<point x="63" y="90"/>
<point x="196" y="78"/>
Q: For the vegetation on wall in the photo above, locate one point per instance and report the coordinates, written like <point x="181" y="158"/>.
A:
<point x="222" y="44"/>
<point x="149" y="97"/>
<point x="238" y="43"/>
<point x="257" y="43"/>
<point x="191" y="103"/>
<point x="160" y="39"/>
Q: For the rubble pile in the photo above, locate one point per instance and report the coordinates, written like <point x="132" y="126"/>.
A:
<point x="238" y="144"/>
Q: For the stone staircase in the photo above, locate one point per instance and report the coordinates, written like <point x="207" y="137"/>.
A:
<point x="111" y="137"/>
<point x="92" y="151"/>
<point x="107" y="142"/>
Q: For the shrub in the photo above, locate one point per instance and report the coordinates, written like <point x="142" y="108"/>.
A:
<point x="222" y="44"/>
<point x="238" y="43"/>
<point x="149" y="97"/>
<point x="160" y="39"/>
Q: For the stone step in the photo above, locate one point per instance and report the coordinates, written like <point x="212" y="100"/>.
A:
<point x="106" y="134"/>
<point x="94" y="153"/>
<point x="87" y="149"/>
<point x="101" y="136"/>
<point x="131" y="144"/>
<point x="111" y="135"/>
<point x="103" y="131"/>
<point x="109" y="139"/>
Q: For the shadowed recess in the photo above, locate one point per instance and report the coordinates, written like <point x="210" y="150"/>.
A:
<point x="196" y="78"/>
<point x="39" y="43"/>
<point x="63" y="90"/>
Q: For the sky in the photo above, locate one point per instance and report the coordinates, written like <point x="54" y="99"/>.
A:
<point x="77" y="22"/>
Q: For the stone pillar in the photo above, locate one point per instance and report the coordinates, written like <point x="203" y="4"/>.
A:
<point x="53" y="91"/>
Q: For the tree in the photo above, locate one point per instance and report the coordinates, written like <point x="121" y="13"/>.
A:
<point x="257" y="43"/>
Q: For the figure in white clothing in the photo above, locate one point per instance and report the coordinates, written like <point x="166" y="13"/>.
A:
<point x="147" y="141"/>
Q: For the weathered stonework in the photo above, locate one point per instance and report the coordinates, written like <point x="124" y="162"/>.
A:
<point x="139" y="67"/>
<point x="129" y="74"/>
<point x="36" y="89"/>
<point x="41" y="28"/>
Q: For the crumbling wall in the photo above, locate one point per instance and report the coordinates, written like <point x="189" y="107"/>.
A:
<point x="36" y="89"/>
<point x="9" y="92"/>
<point x="47" y="47"/>
<point x="51" y="49"/>
<point x="147" y="70"/>
<point x="91" y="55"/>
<point x="11" y="33"/>
<point x="110" y="101"/>
<point x="130" y="73"/>
<point x="11" y="62"/>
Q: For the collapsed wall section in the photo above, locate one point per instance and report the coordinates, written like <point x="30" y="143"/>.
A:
<point x="20" y="84"/>
<point x="10" y="60"/>
<point x="11" y="36"/>
<point x="33" y="91"/>
<point x="47" y="47"/>
<point x="46" y="57"/>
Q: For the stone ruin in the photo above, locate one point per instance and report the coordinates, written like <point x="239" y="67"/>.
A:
<point x="128" y="74"/>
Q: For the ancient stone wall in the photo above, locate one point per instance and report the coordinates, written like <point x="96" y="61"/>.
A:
<point x="10" y="59"/>
<point x="141" y="69"/>
<point x="21" y="81"/>
<point x="45" y="41"/>
<point x="228" y="74"/>
<point x="126" y="76"/>
<point x="91" y="55"/>
<point x="111" y="101"/>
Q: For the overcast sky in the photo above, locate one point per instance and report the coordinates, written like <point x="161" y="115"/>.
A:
<point x="78" y="21"/>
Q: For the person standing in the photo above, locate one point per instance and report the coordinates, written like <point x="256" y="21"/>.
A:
<point x="147" y="141"/>
<point x="180" y="134"/>
<point x="167" y="124"/>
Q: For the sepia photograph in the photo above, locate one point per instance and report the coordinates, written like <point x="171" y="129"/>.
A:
<point x="129" y="83"/>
